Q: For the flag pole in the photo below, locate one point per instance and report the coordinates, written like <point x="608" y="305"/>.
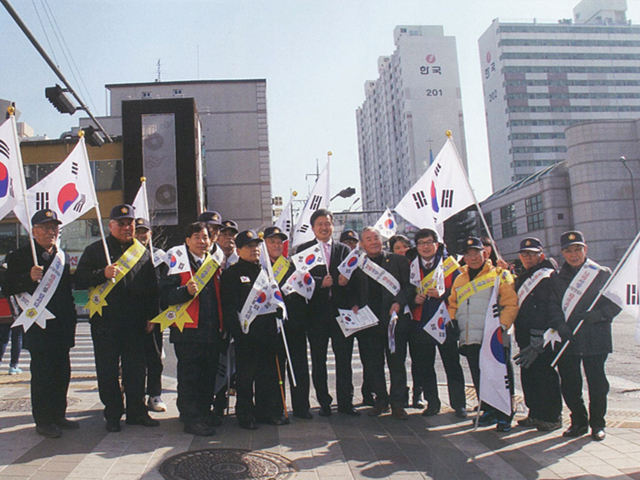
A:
<point x="608" y="282"/>
<point x="475" y="200"/>
<point x="11" y="111"/>
<point x="143" y="185"/>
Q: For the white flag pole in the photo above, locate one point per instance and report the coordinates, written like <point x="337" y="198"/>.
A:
<point x="143" y="185"/>
<point x="604" y="288"/>
<point x="475" y="200"/>
<point x="11" y="110"/>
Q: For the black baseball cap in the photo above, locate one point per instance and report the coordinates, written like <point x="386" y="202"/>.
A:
<point x="572" y="237"/>
<point x="143" y="223"/>
<point x="44" y="216"/>
<point x="210" y="217"/>
<point x="349" y="235"/>
<point x="229" y="225"/>
<point x="245" y="237"/>
<point x="531" y="244"/>
<point x="122" y="211"/>
<point x="473" y="242"/>
<point x="275" y="232"/>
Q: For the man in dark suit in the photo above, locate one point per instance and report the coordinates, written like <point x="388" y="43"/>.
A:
<point x="373" y="341"/>
<point x="330" y="293"/>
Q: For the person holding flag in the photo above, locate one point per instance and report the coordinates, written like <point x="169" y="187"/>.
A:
<point x="573" y="291"/>
<point x="382" y="283"/>
<point x="199" y="343"/>
<point x="330" y="293"/>
<point x="122" y="297"/>
<point x="258" y="344"/>
<point x="471" y="297"/>
<point x="432" y="257"/>
<point x="49" y="344"/>
<point x="540" y="381"/>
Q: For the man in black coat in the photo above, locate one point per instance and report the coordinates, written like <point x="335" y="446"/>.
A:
<point x="330" y="294"/>
<point x="118" y="331"/>
<point x="540" y="381"/>
<point x="200" y="342"/>
<point x="49" y="346"/>
<point x="591" y="345"/>
<point x="374" y="341"/>
<point x="256" y="350"/>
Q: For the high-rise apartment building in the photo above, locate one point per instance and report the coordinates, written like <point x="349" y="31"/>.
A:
<point x="540" y="78"/>
<point x="406" y="113"/>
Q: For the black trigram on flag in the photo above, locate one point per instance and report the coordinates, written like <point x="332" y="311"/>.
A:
<point x="4" y="149"/>
<point x="496" y="310"/>
<point x="632" y="294"/>
<point x="315" y="202"/>
<point x="436" y="170"/>
<point x="447" y="199"/>
<point x="287" y="225"/>
<point x="74" y="168"/>
<point x="420" y="198"/>
<point x="303" y="228"/>
<point x="42" y="200"/>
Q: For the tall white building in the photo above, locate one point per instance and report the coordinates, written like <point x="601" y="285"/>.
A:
<point x="406" y="113"/>
<point x="540" y="78"/>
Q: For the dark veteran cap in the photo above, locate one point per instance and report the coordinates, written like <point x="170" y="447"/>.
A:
<point x="122" y="211"/>
<point x="530" y="244"/>
<point x="572" y="237"/>
<point x="44" y="216"/>
<point x="245" y="237"/>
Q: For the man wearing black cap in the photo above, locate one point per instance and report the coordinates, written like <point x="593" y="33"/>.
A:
<point x="573" y="290"/>
<point x="468" y="303"/>
<point x="49" y="346"/>
<point x="540" y="382"/>
<point x="349" y="238"/>
<point x="295" y="327"/>
<point x="122" y="297"/>
<point x="226" y="242"/>
<point x="153" y="337"/>
<point x="256" y="350"/>
<point x="214" y="224"/>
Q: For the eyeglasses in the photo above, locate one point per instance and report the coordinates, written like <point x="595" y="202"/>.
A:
<point x="48" y="228"/>
<point x="426" y="243"/>
<point x="529" y="254"/>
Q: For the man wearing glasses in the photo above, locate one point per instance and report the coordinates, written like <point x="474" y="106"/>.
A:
<point x="540" y="381"/>
<point x="49" y="345"/>
<point x="128" y="300"/>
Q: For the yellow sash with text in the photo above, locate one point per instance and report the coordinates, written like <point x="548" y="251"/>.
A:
<point x="280" y="268"/>
<point x="177" y="314"/>
<point x="449" y="266"/>
<point x="482" y="283"/>
<point x="98" y="294"/>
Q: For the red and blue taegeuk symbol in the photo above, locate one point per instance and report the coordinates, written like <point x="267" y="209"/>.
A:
<point x="434" y="198"/>
<point x="310" y="259"/>
<point x="441" y="323"/>
<point x="4" y="180"/>
<point x="307" y="279"/>
<point x="347" y="318"/>
<point x="67" y="195"/>
<point x="278" y="295"/>
<point x="262" y="297"/>
<point x="497" y="347"/>
<point x="389" y="223"/>
<point x="173" y="261"/>
<point x="352" y="262"/>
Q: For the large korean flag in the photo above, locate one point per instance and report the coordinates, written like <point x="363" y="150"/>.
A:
<point x="441" y="192"/>
<point x="319" y="198"/>
<point x="68" y="190"/>
<point x="11" y="192"/>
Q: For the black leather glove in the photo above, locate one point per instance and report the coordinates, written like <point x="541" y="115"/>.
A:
<point x="566" y="333"/>
<point x="530" y="353"/>
<point x="593" y="316"/>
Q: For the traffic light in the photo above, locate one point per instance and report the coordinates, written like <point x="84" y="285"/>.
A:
<point x="60" y="99"/>
<point x="93" y="137"/>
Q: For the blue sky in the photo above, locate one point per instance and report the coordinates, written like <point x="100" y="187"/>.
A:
<point x="315" y="55"/>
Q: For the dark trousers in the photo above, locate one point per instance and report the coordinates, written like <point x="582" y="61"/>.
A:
<point x="571" y="384"/>
<point x="372" y="353"/>
<point x="50" y="376"/>
<point x="114" y="345"/>
<point x="297" y="341"/>
<point x="322" y="328"/>
<point x="197" y="369"/>
<point x="16" y="342"/>
<point x="423" y="359"/>
<point x="256" y="371"/>
<point x="541" y="389"/>
<point x="153" y="354"/>
<point x="472" y="352"/>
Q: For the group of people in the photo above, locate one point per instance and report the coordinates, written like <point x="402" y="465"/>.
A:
<point x="131" y="297"/>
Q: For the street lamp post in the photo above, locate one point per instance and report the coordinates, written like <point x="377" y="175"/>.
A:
<point x="623" y="160"/>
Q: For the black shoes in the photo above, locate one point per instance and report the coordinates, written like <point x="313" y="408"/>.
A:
<point x="144" y="420"/>
<point x="325" y="411"/>
<point x="66" y="424"/>
<point x="430" y="412"/>
<point x="399" y="413"/>
<point x="461" y="412"/>
<point x="598" y="435"/>
<point x="200" y="429"/>
<point x="248" y="424"/>
<point x="544" y="426"/>
<point x="378" y="410"/>
<point x="278" y="421"/>
<point x="303" y="415"/>
<point x="528" y="422"/>
<point x="350" y="410"/>
<point x="575" y="431"/>
<point x="49" y="431"/>
<point x="113" y="425"/>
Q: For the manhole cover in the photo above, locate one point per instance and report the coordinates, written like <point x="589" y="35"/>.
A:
<point x="23" y="404"/>
<point x="227" y="464"/>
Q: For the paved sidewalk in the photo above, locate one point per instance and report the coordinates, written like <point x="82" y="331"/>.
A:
<point x="338" y="447"/>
